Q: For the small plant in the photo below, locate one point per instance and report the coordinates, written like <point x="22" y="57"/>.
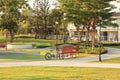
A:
<point x="24" y="36"/>
<point x="90" y="51"/>
<point x="42" y="45"/>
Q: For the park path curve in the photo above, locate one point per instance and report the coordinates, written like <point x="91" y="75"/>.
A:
<point x="75" y="62"/>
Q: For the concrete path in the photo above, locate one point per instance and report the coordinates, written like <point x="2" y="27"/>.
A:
<point x="112" y="53"/>
<point x="76" y="62"/>
<point x="59" y="63"/>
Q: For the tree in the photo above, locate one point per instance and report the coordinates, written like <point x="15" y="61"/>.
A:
<point x="76" y="14"/>
<point x="25" y="25"/>
<point x="99" y="9"/>
<point x="87" y="13"/>
<point x="11" y="15"/>
<point x="71" y="9"/>
<point x="41" y="11"/>
<point x="55" y="20"/>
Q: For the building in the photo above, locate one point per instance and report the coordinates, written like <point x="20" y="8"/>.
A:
<point x="108" y="34"/>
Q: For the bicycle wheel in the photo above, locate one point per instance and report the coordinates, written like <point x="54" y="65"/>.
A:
<point x="48" y="56"/>
<point x="61" y="56"/>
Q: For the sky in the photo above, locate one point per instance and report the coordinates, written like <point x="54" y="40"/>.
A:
<point x="113" y="2"/>
<point x="32" y="1"/>
<point x="117" y="5"/>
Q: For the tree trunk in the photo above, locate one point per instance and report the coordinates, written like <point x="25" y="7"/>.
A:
<point x="45" y="25"/>
<point x="11" y="35"/>
<point x="81" y="33"/>
<point x="7" y="34"/>
<point x="93" y="34"/>
<point x="78" y="31"/>
<point x="87" y="35"/>
<point x="93" y="38"/>
<point x="36" y="32"/>
<point x="45" y="32"/>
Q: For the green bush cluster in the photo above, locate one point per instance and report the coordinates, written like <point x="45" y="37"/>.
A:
<point x="24" y="36"/>
<point x="41" y="46"/>
<point x="111" y="44"/>
<point x="89" y="50"/>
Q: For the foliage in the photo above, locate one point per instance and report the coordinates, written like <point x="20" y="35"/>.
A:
<point x="41" y="12"/>
<point x="115" y="46"/>
<point x="88" y="50"/>
<point x="55" y="20"/>
<point x="42" y="45"/>
<point x="11" y="15"/>
<point x="25" y="25"/>
<point x="87" y="14"/>
<point x="111" y="44"/>
<point x="24" y="36"/>
<point x="32" y="40"/>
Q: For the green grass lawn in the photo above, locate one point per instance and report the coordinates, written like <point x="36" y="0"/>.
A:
<point x="114" y="46"/>
<point x="58" y="73"/>
<point x="26" y="54"/>
<point x="27" y="57"/>
<point x="39" y="43"/>
<point x="30" y="55"/>
<point x="114" y="60"/>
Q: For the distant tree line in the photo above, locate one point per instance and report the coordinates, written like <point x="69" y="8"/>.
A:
<point x="18" y="17"/>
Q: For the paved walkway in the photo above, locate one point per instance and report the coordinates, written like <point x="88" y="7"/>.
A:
<point x="76" y="62"/>
<point x="59" y="63"/>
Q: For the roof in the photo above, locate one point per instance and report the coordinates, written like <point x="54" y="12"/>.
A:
<point x="116" y="15"/>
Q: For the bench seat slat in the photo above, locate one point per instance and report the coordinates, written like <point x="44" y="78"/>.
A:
<point x="69" y="50"/>
<point x="3" y="45"/>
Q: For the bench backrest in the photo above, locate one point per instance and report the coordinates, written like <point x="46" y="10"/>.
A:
<point x="77" y="48"/>
<point x="3" y="44"/>
<point x="68" y="49"/>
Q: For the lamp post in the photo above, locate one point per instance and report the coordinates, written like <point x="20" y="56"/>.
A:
<point x="100" y="46"/>
<point x="100" y="41"/>
<point x="64" y="38"/>
<point x="117" y="33"/>
<point x="56" y="23"/>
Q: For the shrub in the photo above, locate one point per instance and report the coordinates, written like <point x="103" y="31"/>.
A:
<point x="90" y="51"/>
<point x="111" y="44"/>
<point x="42" y="45"/>
<point x="24" y="36"/>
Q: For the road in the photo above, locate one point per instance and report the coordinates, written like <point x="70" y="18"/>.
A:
<point x="75" y="62"/>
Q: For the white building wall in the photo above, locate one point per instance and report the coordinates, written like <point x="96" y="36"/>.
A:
<point x="71" y="28"/>
<point x="112" y="32"/>
<point x="119" y="36"/>
<point x="118" y="22"/>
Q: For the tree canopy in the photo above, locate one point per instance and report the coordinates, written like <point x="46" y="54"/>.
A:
<point x="90" y="13"/>
<point x="11" y="14"/>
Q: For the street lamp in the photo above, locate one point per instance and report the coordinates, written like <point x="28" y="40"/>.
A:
<point x="117" y="33"/>
<point x="56" y="23"/>
<point x="100" y="18"/>
<point x="64" y="38"/>
<point x="100" y="46"/>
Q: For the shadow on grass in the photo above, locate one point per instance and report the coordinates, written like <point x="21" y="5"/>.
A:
<point x="19" y="56"/>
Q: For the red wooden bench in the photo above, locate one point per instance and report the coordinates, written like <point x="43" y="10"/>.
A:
<point x="70" y="51"/>
<point x="3" y="45"/>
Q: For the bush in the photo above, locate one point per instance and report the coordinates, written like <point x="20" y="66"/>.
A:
<point x="24" y="36"/>
<point x="42" y="46"/>
<point x="111" y="44"/>
<point x="90" y="51"/>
